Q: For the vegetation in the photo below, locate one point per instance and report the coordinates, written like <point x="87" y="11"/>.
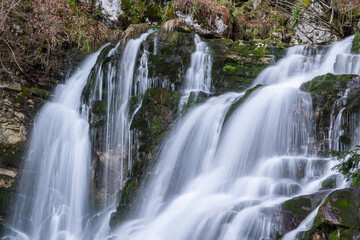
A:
<point x="349" y="164"/>
<point x="39" y="37"/>
<point x="339" y="17"/>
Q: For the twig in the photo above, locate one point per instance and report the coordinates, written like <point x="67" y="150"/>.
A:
<point x="13" y="54"/>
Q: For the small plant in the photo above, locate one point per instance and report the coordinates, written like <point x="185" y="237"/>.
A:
<point x="349" y="164"/>
<point x="295" y="15"/>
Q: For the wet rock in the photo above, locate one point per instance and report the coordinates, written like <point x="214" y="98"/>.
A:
<point x="18" y="106"/>
<point x="330" y="182"/>
<point x="286" y="189"/>
<point x="174" y="49"/>
<point x="297" y="209"/>
<point x="326" y="91"/>
<point x="338" y="216"/>
<point x="151" y="122"/>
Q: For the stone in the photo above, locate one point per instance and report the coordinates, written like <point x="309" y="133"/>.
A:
<point x="307" y="31"/>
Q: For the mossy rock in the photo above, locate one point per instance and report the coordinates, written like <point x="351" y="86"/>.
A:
<point x="29" y="92"/>
<point x="300" y="207"/>
<point x="328" y="84"/>
<point x="343" y="234"/>
<point x="173" y="56"/>
<point x="237" y="64"/>
<point x="338" y="215"/>
<point x="339" y="209"/>
<point x="325" y="91"/>
<point x="152" y="121"/>
<point x="330" y="182"/>
<point x="355" y="47"/>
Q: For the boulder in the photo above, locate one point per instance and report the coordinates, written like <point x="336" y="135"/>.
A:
<point x="338" y="216"/>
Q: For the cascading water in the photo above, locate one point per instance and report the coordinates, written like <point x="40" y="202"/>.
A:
<point x="214" y="182"/>
<point x="53" y="190"/>
<point x="198" y="76"/>
<point x="116" y="81"/>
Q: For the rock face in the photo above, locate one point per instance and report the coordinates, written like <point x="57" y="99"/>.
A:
<point x="211" y="19"/>
<point x="326" y="92"/>
<point x="151" y="122"/>
<point x="18" y="107"/>
<point x="310" y="30"/>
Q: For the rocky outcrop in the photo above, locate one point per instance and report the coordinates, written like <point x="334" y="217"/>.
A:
<point x="18" y="107"/>
<point x="326" y="92"/>
<point x="235" y="63"/>
<point x="310" y="29"/>
<point x="151" y="122"/>
<point x="207" y="18"/>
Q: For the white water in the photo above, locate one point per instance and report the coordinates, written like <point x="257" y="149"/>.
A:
<point x="54" y="183"/>
<point x="120" y="79"/>
<point x="225" y="182"/>
<point x="198" y="75"/>
<point x="212" y="180"/>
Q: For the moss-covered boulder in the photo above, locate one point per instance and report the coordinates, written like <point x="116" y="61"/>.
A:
<point x="301" y="206"/>
<point x="152" y="121"/>
<point x="330" y="182"/>
<point x="355" y="47"/>
<point x="328" y="93"/>
<point x="338" y="216"/>
<point x="237" y="64"/>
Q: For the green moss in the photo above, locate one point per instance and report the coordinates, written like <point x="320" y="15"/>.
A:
<point x="328" y="84"/>
<point x="158" y="110"/>
<point x="329" y="183"/>
<point x="72" y="4"/>
<point x="134" y="102"/>
<point x="27" y="93"/>
<point x="300" y="207"/>
<point x="355" y="48"/>
<point x="229" y="70"/>
<point x="138" y="11"/>
<point x="340" y="205"/>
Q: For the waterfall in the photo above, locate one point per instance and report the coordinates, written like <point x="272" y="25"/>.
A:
<point x="214" y="179"/>
<point x="53" y="194"/>
<point x="225" y="181"/>
<point x="198" y="75"/>
<point x="116" y="80"/>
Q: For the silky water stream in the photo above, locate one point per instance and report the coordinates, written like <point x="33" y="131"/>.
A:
<point x="219" y="175"/>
